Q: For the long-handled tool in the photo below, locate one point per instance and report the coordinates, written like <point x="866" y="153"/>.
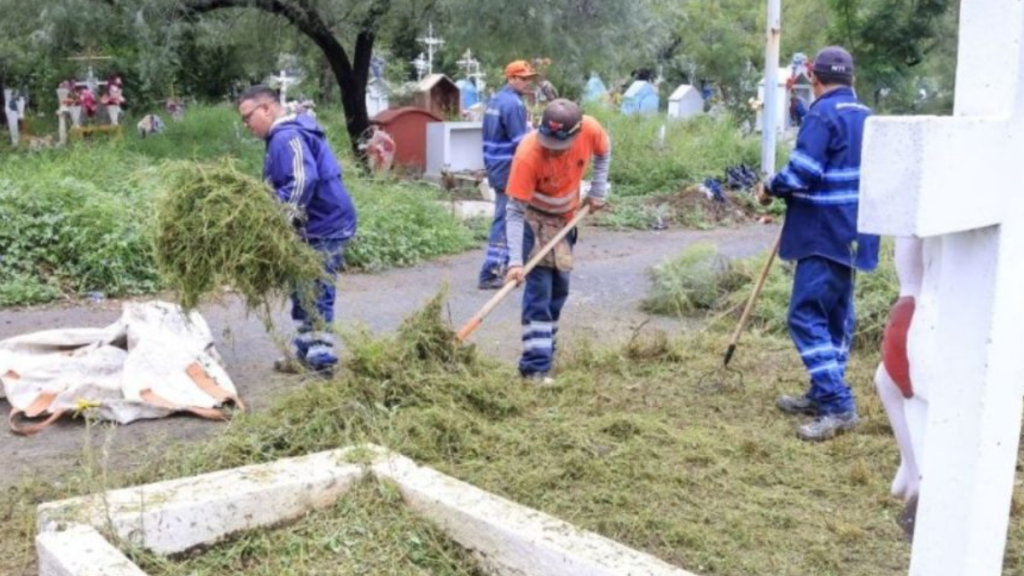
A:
<point x="491" y="304"/>
<point x="735" y="340"/>
<point x="744" y="317"/>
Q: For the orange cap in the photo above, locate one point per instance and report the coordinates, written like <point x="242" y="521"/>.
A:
<point x="519" y="69"/>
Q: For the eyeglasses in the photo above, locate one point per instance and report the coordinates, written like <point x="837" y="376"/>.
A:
<point x="246" y="117"/>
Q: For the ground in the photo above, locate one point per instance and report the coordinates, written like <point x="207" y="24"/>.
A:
<point x="608" y="284"/>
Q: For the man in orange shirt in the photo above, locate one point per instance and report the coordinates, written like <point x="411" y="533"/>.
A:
<point x="544" y="194"/>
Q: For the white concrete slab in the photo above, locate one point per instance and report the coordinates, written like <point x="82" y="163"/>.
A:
<point x="174" y="516"/>
<point x="509" y="539"/>
<point x="81" y="551"/>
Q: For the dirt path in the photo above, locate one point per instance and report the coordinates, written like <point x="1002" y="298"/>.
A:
<point x="608" y="284"/>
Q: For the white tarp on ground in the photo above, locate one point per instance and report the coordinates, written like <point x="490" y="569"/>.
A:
<point x="154" y="361"/>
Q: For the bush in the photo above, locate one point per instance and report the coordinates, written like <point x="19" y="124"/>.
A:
<point x="79" y="219"/>
<point x="692" y="150"/>
<point x="401" y="224"/>
<point x="699" y="284"/>
<point x="695" y="281"/>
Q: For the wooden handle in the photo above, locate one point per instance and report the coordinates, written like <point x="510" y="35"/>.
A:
<point x="753" y="298"/>
<point x="507" y="289"/>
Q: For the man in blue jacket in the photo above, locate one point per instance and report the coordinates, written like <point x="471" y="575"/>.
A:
<point x="820" y="185"/>
<point x="505" y="124"/>
<point x="301" y="168"/>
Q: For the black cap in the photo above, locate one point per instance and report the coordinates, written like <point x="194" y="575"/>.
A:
<point x="834" y="61"/>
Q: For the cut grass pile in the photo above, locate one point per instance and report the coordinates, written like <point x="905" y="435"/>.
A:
<point x="216" y="226"/>
<point x="627" y="444"/>
<point x="700" y="283"/>
<point x="368" y="531"/>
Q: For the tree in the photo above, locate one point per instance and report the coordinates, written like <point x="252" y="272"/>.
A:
<point x="891" y="38"/>
<point x="324" y="22"/>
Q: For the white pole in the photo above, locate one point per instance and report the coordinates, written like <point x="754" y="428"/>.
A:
<point x="770" y="110"/>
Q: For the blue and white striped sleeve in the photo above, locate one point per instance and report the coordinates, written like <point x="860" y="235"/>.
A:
<point x="806" y="164"/>
<point x="294" y="175"/>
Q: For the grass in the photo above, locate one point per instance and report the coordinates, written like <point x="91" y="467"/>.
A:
<point x="629" y="444"/>
<point x="699" y="283"/>
<point x="218" y="226"/>
<point x="692" y="150"/>
<point x="80" y="220"/>
<point x="368" y="531"/>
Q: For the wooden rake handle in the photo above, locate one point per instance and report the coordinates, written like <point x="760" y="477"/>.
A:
<point x="507" y="289"/>
<point x="750" y="301"/>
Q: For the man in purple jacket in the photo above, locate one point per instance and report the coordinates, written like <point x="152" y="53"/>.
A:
<point x="301" y="168"/>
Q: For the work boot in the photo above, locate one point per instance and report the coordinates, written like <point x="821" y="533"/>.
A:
<point x="798" y="405"/>
<point x="828" y="426"/>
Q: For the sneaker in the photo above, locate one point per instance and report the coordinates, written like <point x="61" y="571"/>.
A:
<point x="828" y="426"/>
<point x="798" y="405"/>
<point x="496" y="283"/>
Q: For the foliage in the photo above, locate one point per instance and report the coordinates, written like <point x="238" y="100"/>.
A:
<point x="628" y="444"/>
<point x="401" y="224"/>
<point x="80" y="220"/>
<point x="697" y="283"/>
<point x="368" y="531"/>
<point x="216" y="227"/>
<point x="692" y="150"/>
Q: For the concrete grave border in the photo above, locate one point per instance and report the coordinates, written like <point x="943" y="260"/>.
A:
<point x="505" y="538"/>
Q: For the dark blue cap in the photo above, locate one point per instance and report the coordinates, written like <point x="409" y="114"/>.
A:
<point x="834" y="61"/>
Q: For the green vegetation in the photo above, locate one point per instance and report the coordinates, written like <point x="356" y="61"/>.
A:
<point x="82" y="220"/>
<point x="216" y="226"/>
<point x="627" y="444"/>
<point x="700" y="283"/>
<point x="368" y="531"/>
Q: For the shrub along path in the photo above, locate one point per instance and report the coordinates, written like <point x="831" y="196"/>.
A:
<point x="608" y="285"/>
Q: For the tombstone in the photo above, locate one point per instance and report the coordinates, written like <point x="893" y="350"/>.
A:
<point x="438" y="95"/>
<point x="454" y="147"/>
<point x="14" y="110"/>
<point x="469" y="96"/>
<point x="595" y="92"/>
<point x="685" y="102"/>
<point x="795" y="80"/>
<point x="641" y="98"/>
<point x="945" y="181"/>
<point x="376" y="97"/>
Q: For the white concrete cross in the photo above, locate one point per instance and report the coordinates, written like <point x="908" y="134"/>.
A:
<point x="284" y="81"/>
<point x="958" y="183"/>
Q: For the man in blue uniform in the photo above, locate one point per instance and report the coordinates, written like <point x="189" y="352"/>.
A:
<point x="505" y="124"/>
<point x="301" y="168"/>
<point x="820" y="185"/>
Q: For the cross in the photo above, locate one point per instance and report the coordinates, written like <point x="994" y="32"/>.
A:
<point x="284" y="81"/>
<point x="421" y="65"/>
<point x="953" y="182"/>
<point x="89" y="56"/>
<point x="432" y="43"/>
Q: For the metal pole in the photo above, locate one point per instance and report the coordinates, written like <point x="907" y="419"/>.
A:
<point x="770" y="111"/>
